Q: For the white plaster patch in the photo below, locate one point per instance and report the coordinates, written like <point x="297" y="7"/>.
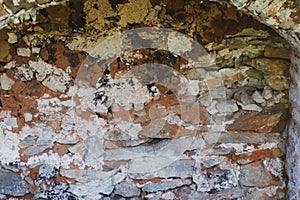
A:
<point x="9" y="151"/>
<point x="10" y="65"/>
<point x="55" y="160"/>
<point x="57" y="83"/>
<point x="23" y="52"/>
<point x="42" y="68"/>
<point x="5" y="82"/>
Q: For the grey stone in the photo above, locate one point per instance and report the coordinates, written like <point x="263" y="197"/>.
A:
<point x="28" y="141"/>
<point x="225" y="137"/>
<point x="186" y="193"/>
<point x="56" y="83"/>
<point x="117" y="135"/>
<point x="11" y="121"/>
<point x="97" y="185"/>
<point x="162" y="154"/>
<point x="245" y="98"/>
<point x="11" y="166"/>
<point x="44" y="142"/>
<point x="210" y="161"/>
<point x="196" y="74"/>
<point x="173" y="147"/>
<point x="250" y="107"/>
<point x="274" y="137"/>
<point x="228" y="106"/>
<point x="85" y="176"/>
<point x="94" y="149"/>
<point x="212" y="108"/>
<point x="254" y="174"/>
<point x="35" y="149"/>
<point x="179" y="168"/>
<point x="131" y="143"/>
<point x="267" y="93"/>
<point x="12" y="184"/>
<point x="29" y="180"/>
<point x="127" y="189"/>
<point x="6" y="82"/>
<point x="164" y="185"/>
<point x="258" y="98"/>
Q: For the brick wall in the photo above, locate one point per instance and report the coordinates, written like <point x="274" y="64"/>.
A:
<point x="196" y="112"/>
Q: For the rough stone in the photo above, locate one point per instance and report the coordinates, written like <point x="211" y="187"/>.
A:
<point x="41" y="68"/>
<point x="216" y="180"/>
<point x="35" y="149"/>
<point x="171" y="148"/>
<point x="254" y="174"/>
<point x="179" y="168"/>
<point x="93" y="151"/>
<point x="245" y="98"/>
<point x="27" y="141"/>
<point x="186" y="193"/>
<point x="28" y="117"/>
<point x="11" y="121"/>
<point x="227" y="106"/>
<point x="92" y="182"/>
<point x="273" y="66"/>
<point x="225" y="137"/>
<point x="12" y="38"/>
<point x="5" y="82"/>
<point x="23" y="52"/>
<point x="278" y="52"/>
<point x="56" y="83"/>
<point x="255" y="122"/>
<point x="133" y="12"/>
<point x="258" y="98"/>
<point x="47" y="171"/>
<point x="178" y="44"/>
<point x="256" y="78"/>
<point x="127" y="189"/>
<point x="267" y="93"/>
<point x="250" y="107"/>
<point x="231" y="76"/>
<point x="276" y="82"/>
<point x="12" y="184"/>
<point x="260" y="194"/>
<point x="164" y="185"/>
